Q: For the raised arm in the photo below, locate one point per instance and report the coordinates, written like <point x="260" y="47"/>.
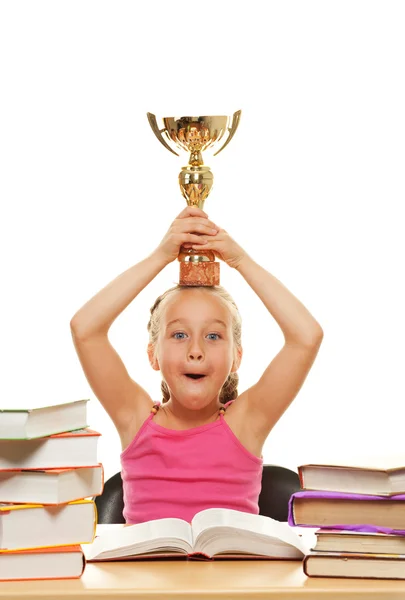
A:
<point x="125" y="401"/>
<point x="281" y="381"/>
<point x="261" y="406"/>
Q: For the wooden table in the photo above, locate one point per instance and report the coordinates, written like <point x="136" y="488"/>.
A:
<point x="169" y="579"/>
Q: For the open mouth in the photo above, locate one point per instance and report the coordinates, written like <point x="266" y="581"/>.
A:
<point x="194" y="375"/>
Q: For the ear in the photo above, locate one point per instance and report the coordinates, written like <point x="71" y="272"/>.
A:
<point x="237" y="360"/>
<point x="152" y="358"/>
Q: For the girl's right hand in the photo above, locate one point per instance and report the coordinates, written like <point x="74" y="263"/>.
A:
<point x="191" y="227"/>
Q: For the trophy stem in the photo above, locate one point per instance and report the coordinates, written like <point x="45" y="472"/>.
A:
<point x="197" y="267"/>
<point x="195" y="184"/>
<point x="196" y="159"/>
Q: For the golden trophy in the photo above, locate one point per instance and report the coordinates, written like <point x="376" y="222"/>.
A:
<point x="195" y="135"/>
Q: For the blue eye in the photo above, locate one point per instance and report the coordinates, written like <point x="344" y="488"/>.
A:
<point x="178" y="333"/>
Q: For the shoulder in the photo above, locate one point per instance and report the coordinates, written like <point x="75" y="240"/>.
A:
<point x="236" y="409"/>
<point x="128" y="433"/>
<point x="240" y="422"/>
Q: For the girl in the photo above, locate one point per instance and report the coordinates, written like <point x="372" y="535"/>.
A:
<point x="201" y="448"/>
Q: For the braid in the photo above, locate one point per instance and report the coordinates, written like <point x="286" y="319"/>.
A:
<point x="229" y="390"/>
<point x="165" y="391"/>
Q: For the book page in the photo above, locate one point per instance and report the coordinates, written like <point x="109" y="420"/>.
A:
<point x="255" y="524"/>
<point x="143" y="537"/>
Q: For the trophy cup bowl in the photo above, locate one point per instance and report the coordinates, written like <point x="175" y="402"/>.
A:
<point x="194" y="135"/>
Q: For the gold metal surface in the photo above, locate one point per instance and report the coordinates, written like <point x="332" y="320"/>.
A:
<point x="195" y="135"/>
<point x="195" y="258"/>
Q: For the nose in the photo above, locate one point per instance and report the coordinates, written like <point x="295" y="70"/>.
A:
<point x="195" y="355"/>
<point x="195" y="351"/>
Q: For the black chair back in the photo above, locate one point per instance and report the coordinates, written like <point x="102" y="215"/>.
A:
<point x="278" y="484"/>
<point x="110" y="504"/>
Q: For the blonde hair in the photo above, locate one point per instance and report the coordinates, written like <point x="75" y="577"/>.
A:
<point x="229" y="390"/>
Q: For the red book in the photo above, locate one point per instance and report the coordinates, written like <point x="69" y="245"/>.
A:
<point x="60" y="451"/>
<point x="50" y="486"/>
<point x="27" y="526"/>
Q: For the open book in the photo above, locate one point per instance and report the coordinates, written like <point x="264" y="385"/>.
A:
<point x="215" y="532"/>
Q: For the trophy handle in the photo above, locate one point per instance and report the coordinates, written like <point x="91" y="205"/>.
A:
<point x="231" y="129"/>
<point x="158" y="132"/>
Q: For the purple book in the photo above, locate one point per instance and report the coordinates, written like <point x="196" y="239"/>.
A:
<point x="367" y="527"/>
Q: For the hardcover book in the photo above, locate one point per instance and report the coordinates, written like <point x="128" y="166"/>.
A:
<point x="60" y="451"/>
<point x="357" y="512"/>
<point x="63" y="562"/>
<point x="31" y="423"/>
<point x="354" y="480"/>
<point x="213" y="533"/>
<point x="370" y="566"/>
<point x="24" y="526"/>
<point x="359" y="542"/>
<point x="51" y="486"/>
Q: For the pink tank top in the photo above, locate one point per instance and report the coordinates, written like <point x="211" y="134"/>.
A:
<point x="170" y="473"/>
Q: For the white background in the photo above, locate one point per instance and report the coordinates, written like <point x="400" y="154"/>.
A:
<point x="312" y="186"/>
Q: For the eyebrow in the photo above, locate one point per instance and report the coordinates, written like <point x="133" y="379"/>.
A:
<point x="185" y="321"/>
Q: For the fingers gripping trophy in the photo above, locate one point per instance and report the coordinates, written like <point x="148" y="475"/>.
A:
<point x="195" y="135"/>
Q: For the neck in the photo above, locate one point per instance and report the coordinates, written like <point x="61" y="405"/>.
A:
<point x="193" y="418"/>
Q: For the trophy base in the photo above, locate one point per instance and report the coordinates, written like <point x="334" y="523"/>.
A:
<point x="200" y="273"/>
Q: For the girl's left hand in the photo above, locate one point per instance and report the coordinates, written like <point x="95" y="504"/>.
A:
<point x="224" y="247"/>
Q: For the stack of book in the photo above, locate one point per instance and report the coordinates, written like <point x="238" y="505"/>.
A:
<point x="361" y="516"/>
<point x="49" y="474"/>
